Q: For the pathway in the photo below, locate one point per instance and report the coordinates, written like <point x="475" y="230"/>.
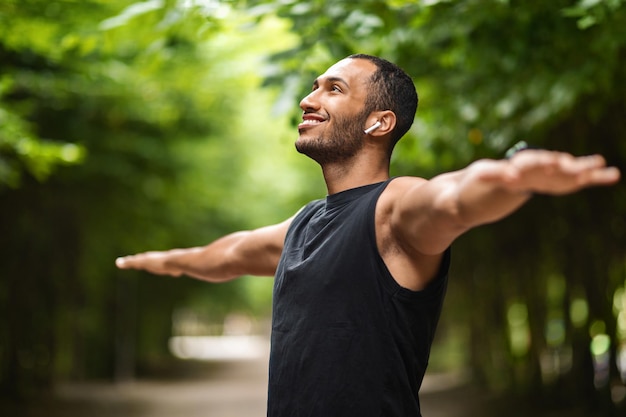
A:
<point x="230" y="389"/>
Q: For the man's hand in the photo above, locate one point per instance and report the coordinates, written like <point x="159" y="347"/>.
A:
<point x="253" y="252"/>
<point x="548" y="172"/>
<point x="154" y="262"/>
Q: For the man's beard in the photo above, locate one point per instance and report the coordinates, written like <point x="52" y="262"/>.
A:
<point x="338" y="145"/>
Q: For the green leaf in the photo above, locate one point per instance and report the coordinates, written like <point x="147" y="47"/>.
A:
<point x="131" y="12"/>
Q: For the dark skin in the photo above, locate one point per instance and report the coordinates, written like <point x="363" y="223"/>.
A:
<point x="416" y="219"/>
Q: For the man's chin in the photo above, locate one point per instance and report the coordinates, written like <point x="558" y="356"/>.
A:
<point x="304" y="144"/>
<point x="306" y="149"/>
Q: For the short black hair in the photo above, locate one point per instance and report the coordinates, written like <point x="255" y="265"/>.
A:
<point x="391" y="88"/>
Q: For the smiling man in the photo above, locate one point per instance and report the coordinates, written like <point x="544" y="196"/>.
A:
<point x="360" y="275"/>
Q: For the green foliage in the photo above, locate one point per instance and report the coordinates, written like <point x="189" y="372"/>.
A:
<point x="125" y="127"/>
<point x="22" y="149"/>
<point x="491" y="72"/>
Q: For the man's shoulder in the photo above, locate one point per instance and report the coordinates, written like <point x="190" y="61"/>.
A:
<point x="399" y="185"/>
<point x="391" y="198"/>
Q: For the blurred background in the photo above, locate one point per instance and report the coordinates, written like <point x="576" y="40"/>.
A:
<point x="128" y="126"/>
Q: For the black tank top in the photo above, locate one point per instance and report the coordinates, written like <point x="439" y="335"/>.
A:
<point x="347" y="339"/>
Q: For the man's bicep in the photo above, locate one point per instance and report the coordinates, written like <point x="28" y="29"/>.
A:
<point x="258" y="253"/>
<point x="425" y="215"/>
<point x="271" y="238"/>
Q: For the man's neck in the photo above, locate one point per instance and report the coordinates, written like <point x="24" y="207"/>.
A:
<point x="344" y="176"/>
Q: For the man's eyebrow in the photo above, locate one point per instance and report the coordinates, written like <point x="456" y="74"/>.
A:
<point x="329" y="80"/>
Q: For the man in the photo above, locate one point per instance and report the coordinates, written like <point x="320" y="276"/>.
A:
<point x="360" y="276"/>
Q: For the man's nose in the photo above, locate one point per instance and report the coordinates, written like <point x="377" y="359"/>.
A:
<point x="310" y="102"/>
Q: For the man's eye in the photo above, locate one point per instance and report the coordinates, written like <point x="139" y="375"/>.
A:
<point x="336" y="88"/>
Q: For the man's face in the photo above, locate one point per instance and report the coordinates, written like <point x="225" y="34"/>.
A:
<point x="334" y="112"/>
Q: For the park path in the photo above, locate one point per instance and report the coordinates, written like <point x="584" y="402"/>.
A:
<point x="226" y="389"/>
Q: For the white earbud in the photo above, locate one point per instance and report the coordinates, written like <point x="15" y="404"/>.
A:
<point x="372" y="128"/>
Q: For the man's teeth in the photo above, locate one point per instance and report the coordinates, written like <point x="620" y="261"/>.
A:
<point x="311" y="122"/>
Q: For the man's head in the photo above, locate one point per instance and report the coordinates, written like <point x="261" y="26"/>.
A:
<point x="390" y="88"/>
<point x="349" y="97"/>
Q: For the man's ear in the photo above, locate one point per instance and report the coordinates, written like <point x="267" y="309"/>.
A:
<point x="380" y="123"/>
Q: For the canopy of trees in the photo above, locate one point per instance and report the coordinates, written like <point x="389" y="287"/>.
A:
<point x="127" y="126"/>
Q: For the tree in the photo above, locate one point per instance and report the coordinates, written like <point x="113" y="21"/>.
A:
<point x="123" y="130"/>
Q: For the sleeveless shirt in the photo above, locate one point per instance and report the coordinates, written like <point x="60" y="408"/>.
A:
<point x="347" y="339"/>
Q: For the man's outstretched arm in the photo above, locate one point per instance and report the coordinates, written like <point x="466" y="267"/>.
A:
<point x="254" y="252"/>
<point x="431" y="214"/>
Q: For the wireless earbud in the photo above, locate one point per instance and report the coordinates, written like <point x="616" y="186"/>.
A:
<point x="372" y="128"/>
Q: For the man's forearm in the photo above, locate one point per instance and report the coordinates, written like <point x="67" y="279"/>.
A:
<point x="481" y="200"/>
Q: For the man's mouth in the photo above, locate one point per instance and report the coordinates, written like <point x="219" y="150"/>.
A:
<point x="311" y="120"/>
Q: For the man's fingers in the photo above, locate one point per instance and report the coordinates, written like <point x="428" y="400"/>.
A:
<point x="122" y="262"/>
<point x="604" y="176"/>
<point x="152" y="262"/>
<point x="129" y="261"/>
<point x="586" y="163"/>
<point x="592" y="170"/>
<point x="550" y="172"/>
